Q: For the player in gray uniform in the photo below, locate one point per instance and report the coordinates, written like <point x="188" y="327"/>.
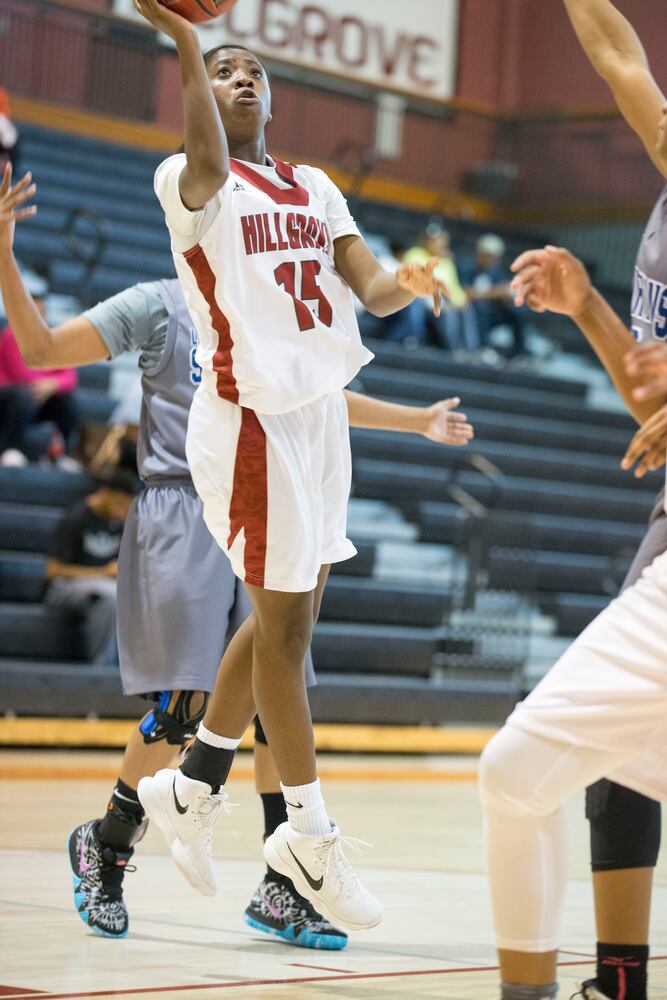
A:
<point x="625" y="826"/>
<point x="178" y="599"/>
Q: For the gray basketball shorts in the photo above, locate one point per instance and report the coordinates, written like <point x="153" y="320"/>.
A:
<point x="179" y="601"/>
<point x="653" y="544"/>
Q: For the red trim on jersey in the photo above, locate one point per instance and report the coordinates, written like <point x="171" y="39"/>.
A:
<point x="293" y="195"/>
<point x="222" y="359"/>
<point x="250" y="500"/>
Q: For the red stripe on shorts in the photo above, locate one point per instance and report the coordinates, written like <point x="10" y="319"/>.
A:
<point x="250" y="499"/>
<point x="222" y="359"/>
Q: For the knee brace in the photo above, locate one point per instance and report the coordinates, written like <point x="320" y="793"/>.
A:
<point x="260" y="735"/>
<point x="177" y="724"/>
<point x="625" y="827"/>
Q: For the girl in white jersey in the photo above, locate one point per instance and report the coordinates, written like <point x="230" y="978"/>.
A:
<point x="268" y="257"/>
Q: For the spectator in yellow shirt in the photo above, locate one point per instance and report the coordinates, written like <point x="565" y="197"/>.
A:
<point x="456" y="327"/>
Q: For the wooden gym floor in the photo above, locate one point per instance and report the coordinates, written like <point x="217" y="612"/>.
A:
<point x="421" y="814"/>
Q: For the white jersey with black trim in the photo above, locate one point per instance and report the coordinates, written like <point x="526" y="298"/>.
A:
<point x="276" y="322"/>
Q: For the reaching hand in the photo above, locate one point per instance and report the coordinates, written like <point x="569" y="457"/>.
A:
<point x="648" y="360"/>
<point x="11" y="199"/>
<point x="445" y="427"/>
<point x="551" y="279"/>
<point x="420" y="280"/>
<point x="648" y="446"/>
<point x="165" y="20"/>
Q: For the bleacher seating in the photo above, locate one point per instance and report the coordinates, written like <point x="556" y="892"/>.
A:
<point x="386" y="647"/>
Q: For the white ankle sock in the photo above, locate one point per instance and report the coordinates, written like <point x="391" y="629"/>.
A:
<point x="306" y="810"/>
<point x="213" y="740"/>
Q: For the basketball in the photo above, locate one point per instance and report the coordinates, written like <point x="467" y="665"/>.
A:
<point x="199" y="10"/>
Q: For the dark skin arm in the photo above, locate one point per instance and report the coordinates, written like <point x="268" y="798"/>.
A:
<point x="553" y="279"/>
<point x="383" y="293"/>
<point x="206" y="149"/>
<point x="617" y="54"/>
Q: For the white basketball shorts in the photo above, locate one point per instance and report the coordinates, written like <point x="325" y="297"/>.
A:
<point x="275" y="487"/>
<point x="609" y="690"/>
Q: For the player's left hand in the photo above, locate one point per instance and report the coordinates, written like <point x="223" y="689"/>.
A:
<point x="445" y="427"/>
<point x="649" y="362"/>
<point x="649" y="445"/>
<point x="420" y="280"/>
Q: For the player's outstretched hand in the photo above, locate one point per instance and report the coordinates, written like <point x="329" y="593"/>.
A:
<point x="648" y="362"/>
<point x="12" y="198"/>
<point x="649" y="445"/>
<point x="420" y="280"/>
<point x="444" y="426"/>
<point x="551" y="280"/>
<point x="165" y="20"/>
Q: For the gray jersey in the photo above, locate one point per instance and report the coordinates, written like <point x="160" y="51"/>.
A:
<point x="153" y="318"/>
<point x="649" y="291"/>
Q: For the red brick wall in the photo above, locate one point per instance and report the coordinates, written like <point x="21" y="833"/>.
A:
<point x="522" y="54"/>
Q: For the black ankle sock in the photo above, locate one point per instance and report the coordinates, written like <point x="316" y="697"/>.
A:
<point x="622" y="970"/>
<point x="275" y="813"/>
<point x="123" y="823"/>
<point x="206" y="763"/>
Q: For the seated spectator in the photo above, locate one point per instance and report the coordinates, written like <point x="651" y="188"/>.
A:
<point x="487" y="283"/>
<point x="456" y="327"/>
<point x="9" y="137"/>
<point x="81" y="570"/>
<point x="29" y="397"/>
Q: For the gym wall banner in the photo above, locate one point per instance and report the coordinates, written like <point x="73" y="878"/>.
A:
<point x="404" y="45"/>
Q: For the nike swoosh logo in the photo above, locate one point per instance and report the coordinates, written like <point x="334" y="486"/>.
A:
<point x="292" y="806"/>
<point x="316" y="886"/>
<point x="179" y="808"/>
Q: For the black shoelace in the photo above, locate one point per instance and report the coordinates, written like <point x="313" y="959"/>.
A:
<point x="111" y="876"/>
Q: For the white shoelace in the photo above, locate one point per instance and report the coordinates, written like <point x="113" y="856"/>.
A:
<point x="206" y="814"/>
<point x="336" y="866"/>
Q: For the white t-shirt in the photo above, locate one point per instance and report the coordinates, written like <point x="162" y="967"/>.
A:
<point x="276" y="322"/>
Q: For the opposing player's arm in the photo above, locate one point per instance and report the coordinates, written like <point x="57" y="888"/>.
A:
<point x="206" y="150"/>
<point x="76" y="342"/>
<point x="554" y="280"/>
<point x="437" y="423"/>
<point x="380" y="292"/>
<point x="614" y="49"/>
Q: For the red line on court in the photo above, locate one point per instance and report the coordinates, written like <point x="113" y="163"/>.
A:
<point x="15" y="991"/>
<point x="284" y="982"/>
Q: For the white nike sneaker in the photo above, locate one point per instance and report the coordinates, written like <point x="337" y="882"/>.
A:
<point x="321" y="872"/>
<point x="186" y="820"/>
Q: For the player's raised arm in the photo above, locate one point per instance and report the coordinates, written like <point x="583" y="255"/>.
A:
<point x="554" y="280"/>
<point x="380" y="292"/>
<point x="614" y="49"/>
<point x="76" y="342"/>
<point x="206" y="151"/>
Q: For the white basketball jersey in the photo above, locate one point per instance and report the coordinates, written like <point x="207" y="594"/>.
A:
<point x="276" y="322"/>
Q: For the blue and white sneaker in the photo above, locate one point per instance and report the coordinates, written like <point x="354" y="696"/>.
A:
<point x="98" y="872"/>
<point x="276" y="908"/>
